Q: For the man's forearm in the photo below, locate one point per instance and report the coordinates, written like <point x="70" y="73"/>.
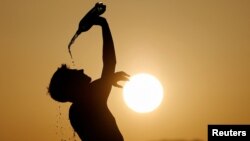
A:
<point x="108" y="45"/>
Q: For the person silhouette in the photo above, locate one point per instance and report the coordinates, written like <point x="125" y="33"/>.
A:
<point x="89" y="114"/>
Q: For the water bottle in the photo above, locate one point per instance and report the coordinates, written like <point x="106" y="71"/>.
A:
<point x="87" y="21"/>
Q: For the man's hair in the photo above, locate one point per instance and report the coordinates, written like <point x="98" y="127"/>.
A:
<point x="59" y="84"/>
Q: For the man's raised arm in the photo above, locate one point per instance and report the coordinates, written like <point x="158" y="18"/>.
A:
<point x="108" y="57"/>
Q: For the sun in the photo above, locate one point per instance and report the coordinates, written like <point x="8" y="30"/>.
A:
<point x="143" y="93"/>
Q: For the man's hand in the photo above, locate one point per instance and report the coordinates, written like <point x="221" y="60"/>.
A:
<point x="119" y="76"/>
<point x="99" y="21"/>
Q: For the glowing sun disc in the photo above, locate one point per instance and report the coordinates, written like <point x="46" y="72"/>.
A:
<point x="143" y="93"/>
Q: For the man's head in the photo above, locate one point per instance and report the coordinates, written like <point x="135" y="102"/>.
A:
<point x="66" y="84"/>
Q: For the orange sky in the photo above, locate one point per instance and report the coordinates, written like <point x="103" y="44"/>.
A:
<point x="199" y="50"/>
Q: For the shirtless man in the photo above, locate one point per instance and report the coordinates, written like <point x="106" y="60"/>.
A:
<point x="89" y="114"/>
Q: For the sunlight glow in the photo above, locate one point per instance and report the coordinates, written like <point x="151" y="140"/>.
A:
<point x="143" y="93"/>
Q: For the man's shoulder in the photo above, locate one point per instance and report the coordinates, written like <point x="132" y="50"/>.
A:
<point x="96" y="82"/>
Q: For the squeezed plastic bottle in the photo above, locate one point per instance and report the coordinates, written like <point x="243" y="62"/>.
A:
<point x="87" y="21"/>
